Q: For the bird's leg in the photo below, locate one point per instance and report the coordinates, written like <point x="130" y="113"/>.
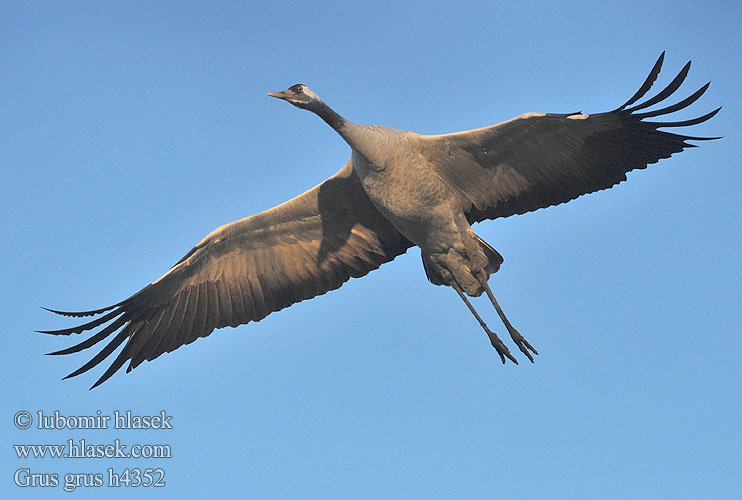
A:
<point x="501" y="348"/>
<point x="514" y="334"/>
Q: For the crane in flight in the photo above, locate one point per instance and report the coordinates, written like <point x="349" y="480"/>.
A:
<point x="398" y="189"/>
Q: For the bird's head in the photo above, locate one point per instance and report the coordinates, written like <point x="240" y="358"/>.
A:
<point x="299" y="95"/>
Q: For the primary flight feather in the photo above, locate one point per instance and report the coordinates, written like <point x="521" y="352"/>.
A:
<point x="398" y="189"/>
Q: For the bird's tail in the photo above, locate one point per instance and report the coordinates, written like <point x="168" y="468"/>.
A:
<point x="494" y="258"/>
<point x="433" y="271"/>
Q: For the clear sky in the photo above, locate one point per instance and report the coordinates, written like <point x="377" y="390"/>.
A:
<point x="130" y="130"/>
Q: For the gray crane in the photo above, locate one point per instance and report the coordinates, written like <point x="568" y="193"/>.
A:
<point x="398" y="189"/>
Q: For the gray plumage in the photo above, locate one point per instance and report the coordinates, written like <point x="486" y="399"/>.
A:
<point x="399" y="189"/>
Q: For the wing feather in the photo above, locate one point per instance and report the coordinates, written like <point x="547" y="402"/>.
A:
<point x="165" y="326"/>
<point x="185" y="310"/>
<point x="651" y="78"/>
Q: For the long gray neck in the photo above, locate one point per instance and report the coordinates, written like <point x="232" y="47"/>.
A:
<point x="348" y="130"/>
<point x="329" y="115"/>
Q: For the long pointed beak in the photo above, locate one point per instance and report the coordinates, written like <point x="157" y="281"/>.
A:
<point x="279" y="95"/>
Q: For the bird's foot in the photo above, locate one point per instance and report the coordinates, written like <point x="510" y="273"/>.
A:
<point x="501" y="348"/>
<point x="521" y="342"/>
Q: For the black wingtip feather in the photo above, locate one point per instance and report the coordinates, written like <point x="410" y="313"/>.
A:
<point x="676" y="107"/>
<point x="89" y="342"/>
<point x="80" y="314"/>
<point x="664" y="93"/>
<point x="647" y="83"/>
<point x="687" y="123"/>
<point x="85" y="326"/>
<point x="120" y="360"/>
<point x="103" y="354"/>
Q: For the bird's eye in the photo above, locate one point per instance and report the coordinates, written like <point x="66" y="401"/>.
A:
<point x="300" y="88"/>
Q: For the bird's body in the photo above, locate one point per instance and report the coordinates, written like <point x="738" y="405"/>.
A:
<point x="398" y="189"/>
<point x="400" y="180"/>
<point x="405" y="189"/>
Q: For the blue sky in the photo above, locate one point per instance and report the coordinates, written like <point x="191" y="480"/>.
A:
<point x="131" y="130"/>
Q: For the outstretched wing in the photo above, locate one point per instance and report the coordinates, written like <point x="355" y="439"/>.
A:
<point x="245" y="270"/>
<point x="538" y="160"/>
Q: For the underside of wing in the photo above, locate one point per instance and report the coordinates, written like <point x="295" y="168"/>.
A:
<point x="245" y="270"/>
<point x="538" y="160"/>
